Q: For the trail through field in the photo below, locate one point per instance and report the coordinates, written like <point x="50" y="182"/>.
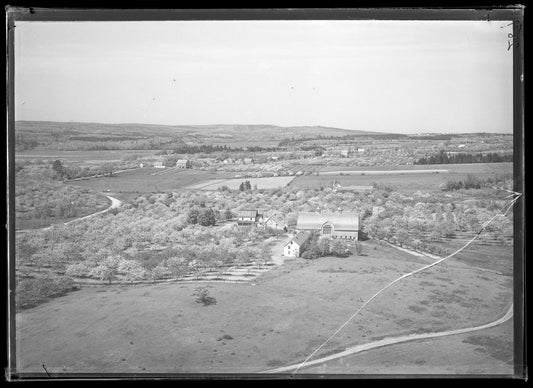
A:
<point x="393" y="341"/>
<point x="504" y="210"/>
<point x="115" y="203"/>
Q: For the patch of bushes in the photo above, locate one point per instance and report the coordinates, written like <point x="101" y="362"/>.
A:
<point x="202" y="296"/>
<point x="325" y="246"/>
<point x="32" y="292"/>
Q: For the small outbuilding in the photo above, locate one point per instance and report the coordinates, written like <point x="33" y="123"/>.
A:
<point x="159" y="165"/>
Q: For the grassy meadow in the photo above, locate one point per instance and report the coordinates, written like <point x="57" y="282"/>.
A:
<point x="277" y="320"/>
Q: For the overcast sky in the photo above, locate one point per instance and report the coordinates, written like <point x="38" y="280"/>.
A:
<point x="393" y="76"/>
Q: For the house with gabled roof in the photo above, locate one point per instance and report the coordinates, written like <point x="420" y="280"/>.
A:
<point x="247" y="217"/>
<point x="341" y="225"/>
<point x="183" y="163"/>
<point x="297" y="245"/>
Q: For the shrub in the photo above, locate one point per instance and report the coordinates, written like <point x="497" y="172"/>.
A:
<point x="32" y="292"/>
<point x="160" y="272"/>
<point x="202" y="294"/>
<point x="79" y="270"/>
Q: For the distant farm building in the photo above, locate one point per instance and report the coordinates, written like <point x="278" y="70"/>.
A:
<point x="360" y="150"/>
<point x="141" y="165"/>
<point x="183" y="163"/>
<point x="342" y="225"/>
<point x="297" y="245"/>
<point x="461" y="146"/>
<point x="248" y="160"/>
<point x="249" y="217"/>
<point x="159" y="165"/>
<point x="345" y="153"/>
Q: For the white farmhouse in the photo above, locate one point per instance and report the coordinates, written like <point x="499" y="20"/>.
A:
<point x="297" y="245"/>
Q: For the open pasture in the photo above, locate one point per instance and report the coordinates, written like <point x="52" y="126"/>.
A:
<point x="407" y="182"/>
<point x="473" y="168"/>
<point x="233" y="184"/>
<point x="432" y="356"/>
<point x="148" y="179"/>
<point x="278" y="320"/>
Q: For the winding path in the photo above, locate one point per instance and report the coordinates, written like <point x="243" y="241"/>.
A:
<point x="393" y="341"/>
<point x="115" y="203"/>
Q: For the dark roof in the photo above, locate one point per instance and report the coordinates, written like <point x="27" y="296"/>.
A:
<point x="344" y="221"/>
<point x="301" y="237"/>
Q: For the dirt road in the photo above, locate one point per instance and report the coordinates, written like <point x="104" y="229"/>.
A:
<point x="392" y="341"/>
<point x="115" y="203"/>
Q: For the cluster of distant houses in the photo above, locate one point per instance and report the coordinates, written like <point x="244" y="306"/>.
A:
<point x="337" y="225"/>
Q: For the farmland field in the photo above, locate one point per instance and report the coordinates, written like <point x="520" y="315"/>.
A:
<point x="407" y="182"/>
<point x="149" y="180"/>
<point x="499" y="168"/>
<point x="279" y="320"/>
<point x="233" y="184"/>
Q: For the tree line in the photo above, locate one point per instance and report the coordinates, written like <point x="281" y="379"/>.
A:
<point x="209" y="149"/>
<point x="444" y="157"/>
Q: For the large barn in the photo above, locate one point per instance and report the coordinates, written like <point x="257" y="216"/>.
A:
<point x="342" y="225"/>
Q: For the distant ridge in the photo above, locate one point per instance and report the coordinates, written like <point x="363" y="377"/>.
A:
<point x="267" y="130"/>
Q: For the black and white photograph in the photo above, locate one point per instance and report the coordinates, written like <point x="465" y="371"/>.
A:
<point x="281" y="195"/>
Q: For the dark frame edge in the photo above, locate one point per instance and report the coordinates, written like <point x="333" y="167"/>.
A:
<point x="11" y="14"/>
<point x="519" y="264"/>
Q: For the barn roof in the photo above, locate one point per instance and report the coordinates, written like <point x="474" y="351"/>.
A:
<point x="301" y="237"/>
<point x="181" y="161"/>
<point x="344" y="221"/>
